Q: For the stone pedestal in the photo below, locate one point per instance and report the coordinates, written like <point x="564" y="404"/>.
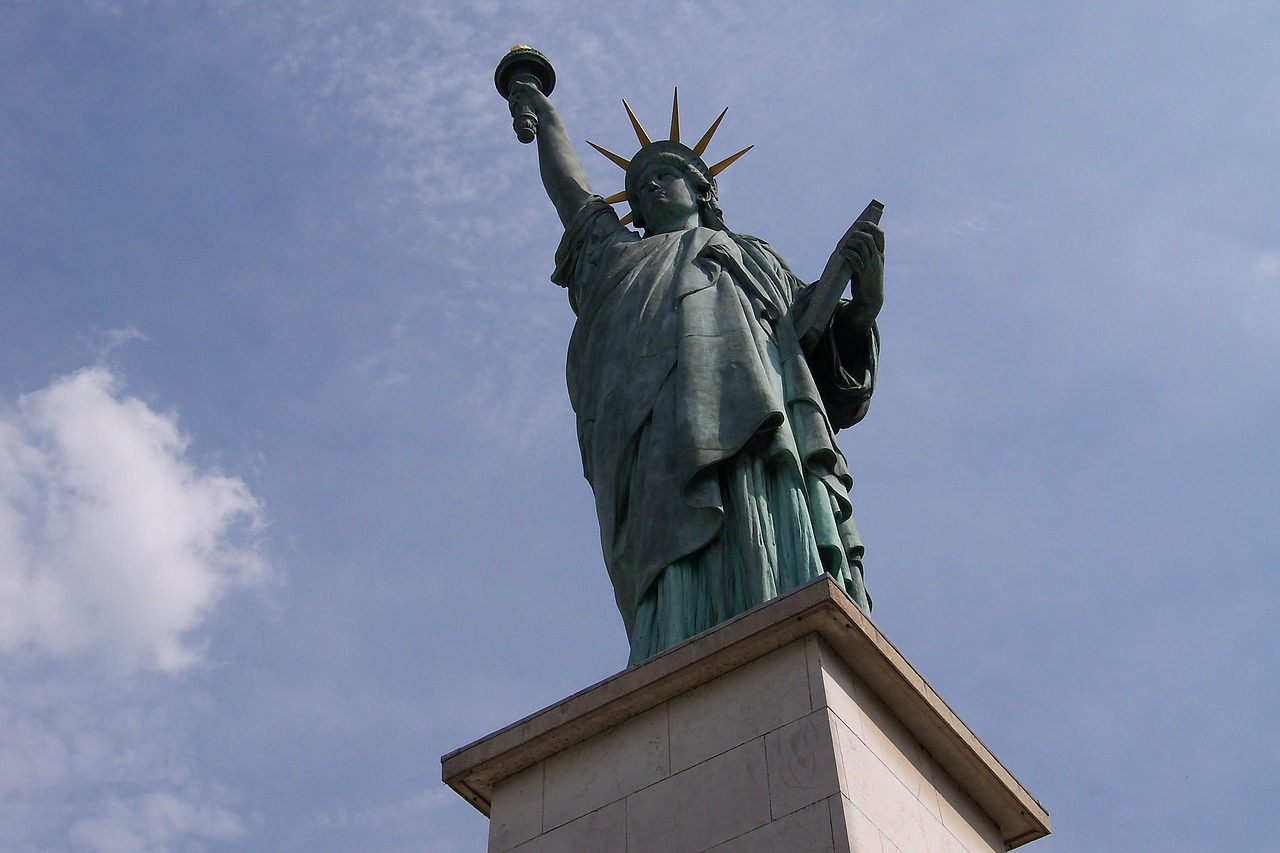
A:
<point x="796" y="727"/>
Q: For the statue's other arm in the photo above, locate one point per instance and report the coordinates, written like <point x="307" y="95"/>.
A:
<point x="844" y="355"/>
<point x="858" y="256"/>
<point x="563" y="175"/>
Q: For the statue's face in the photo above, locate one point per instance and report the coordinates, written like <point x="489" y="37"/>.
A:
<point x="668" y="202"/>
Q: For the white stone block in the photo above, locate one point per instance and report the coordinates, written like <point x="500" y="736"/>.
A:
<point x="940" y="840"/>
<point x="854" y="832"/>
<point x="963" y="818"/>
<point x="708" y="804"/>
<point x="833" y="683"/>
<point x="803" y="768"/>
<point x="878" y="793"/>
<point x="606" y="768"/>
<point x="517" y="810"/>
<point x="885" y="735"/>
<point x="759" y="697"/>
<point x="805" y="831"/>
<point x="602" y="831"/>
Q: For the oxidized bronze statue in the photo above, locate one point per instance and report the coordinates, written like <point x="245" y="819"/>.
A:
<point x="708" y="380"/>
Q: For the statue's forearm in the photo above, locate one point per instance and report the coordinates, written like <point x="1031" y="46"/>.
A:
<point x="563" y="175"/>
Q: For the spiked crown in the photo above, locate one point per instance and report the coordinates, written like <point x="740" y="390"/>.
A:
<point x="689" y="159"/>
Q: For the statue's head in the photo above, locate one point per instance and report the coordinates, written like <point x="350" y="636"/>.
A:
<point x="680" y="157"/>
<point x="700" y="177"/>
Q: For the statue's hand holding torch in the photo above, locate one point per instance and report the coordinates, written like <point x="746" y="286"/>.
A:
<point x="523" y="101"/>
<point x="524" y="69"/>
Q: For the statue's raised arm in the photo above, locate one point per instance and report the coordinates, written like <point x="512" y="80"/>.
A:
<point x="524" y="77"/>
<point x="563" y="175"/>
<point x="708" y="380"/>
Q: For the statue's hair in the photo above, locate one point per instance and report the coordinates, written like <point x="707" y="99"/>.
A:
<point x="690" y="165"/>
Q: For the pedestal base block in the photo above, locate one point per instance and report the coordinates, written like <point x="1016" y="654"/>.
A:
<point x="796" y="727"/>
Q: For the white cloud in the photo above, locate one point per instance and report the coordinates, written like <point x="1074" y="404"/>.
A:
<point x="402" y="820"/>
<point x="88" y="762"/>
<point x="114" y="547"/>
<point x="113" y="339"/>
<point x="1267" y="267"/>
<point x="415" y="807"/>
<point x="152" y="822"/>
<point x="81" y="763"/>
<point x="1261" y="308"/>
<point x="112" y="543"/>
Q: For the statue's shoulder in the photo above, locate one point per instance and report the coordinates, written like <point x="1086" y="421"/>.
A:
<point x="587" y="236"/>
<point x="597" y="221"/>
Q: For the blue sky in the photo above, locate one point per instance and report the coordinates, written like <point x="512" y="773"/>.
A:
<point x="290" y="500"/>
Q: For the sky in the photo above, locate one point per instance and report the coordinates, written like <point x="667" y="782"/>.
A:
<point x="290" y="498"/>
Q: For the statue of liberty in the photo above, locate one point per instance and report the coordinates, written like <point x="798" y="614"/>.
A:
<point x="707" y="379"/>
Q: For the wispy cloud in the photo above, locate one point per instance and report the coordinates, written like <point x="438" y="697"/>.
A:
<point x="153" y="822"/>
<point x="1267" y="267"/>
<point x="113" y="339"/>
<point x="88" y="764"/>
<point x="417" y="815"/>
<point x="1261" y="310"/>
<point x="405" y="85"/>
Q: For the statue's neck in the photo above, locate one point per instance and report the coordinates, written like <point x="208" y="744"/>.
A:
<point x="679" y="223"/>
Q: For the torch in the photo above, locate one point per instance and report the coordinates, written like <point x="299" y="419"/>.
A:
<point x="523" y="63"/>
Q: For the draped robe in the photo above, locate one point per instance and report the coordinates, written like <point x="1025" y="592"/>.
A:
<point x="707" y="433"/>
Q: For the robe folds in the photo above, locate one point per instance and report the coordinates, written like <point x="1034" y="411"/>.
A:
<point x="707" y="433"/>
